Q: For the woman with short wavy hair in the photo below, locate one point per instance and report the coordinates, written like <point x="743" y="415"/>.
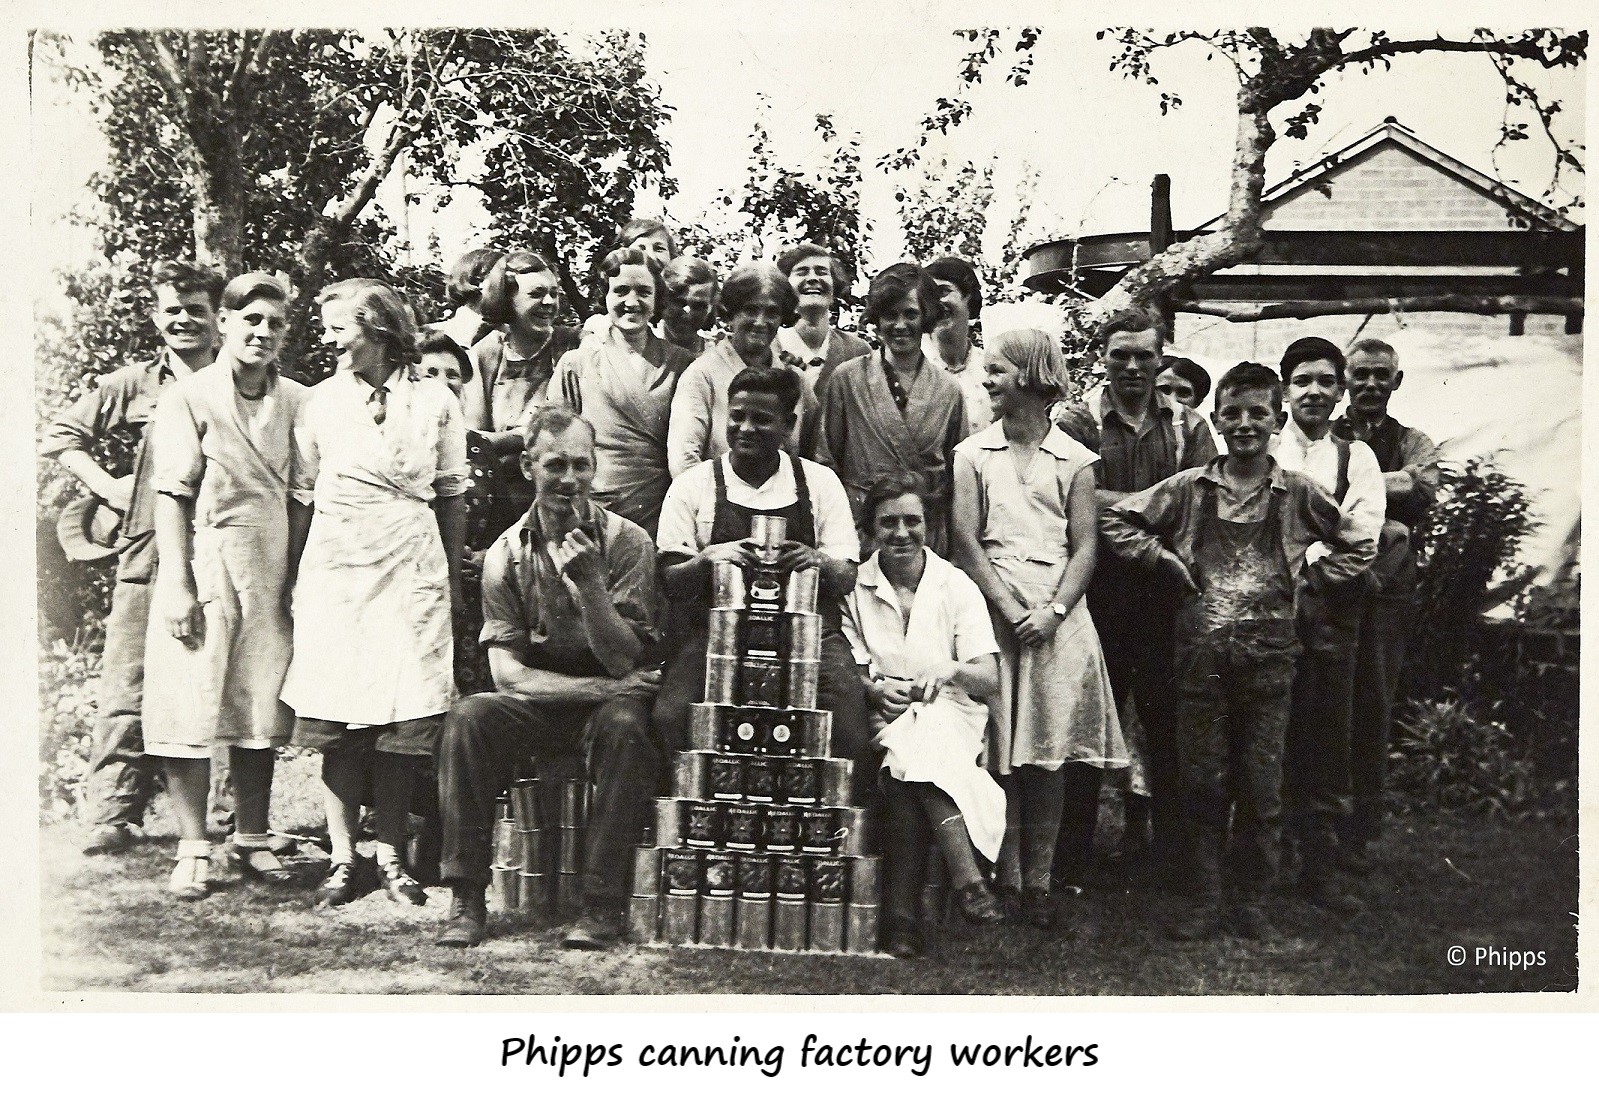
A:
<point x="376" y="523"/>
<point x="514" y="364"/>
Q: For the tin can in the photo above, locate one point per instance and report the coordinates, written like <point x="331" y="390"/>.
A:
<point x="802" y="679"/>
<point x="768" y="531"/>
<point x="816" y="830"/>
<point x="850" y="830"/>
<point x="865" y="879"/>
<point x="835" y="781"/>
<point x="760" y="681"/>
<point x="802" y="636"/>
<point x="530" y="850"/>
<point x="791" y="877"/>
<point x="782" y="828"/>
<point x="743" y="827"/>
<point x="533" y="895"/>
<point x="788" y="924"/>
<point x="827" y="880"/>
<point x="507" y="850"/>
<point x="502" y="808"/>
<point x="524" y="804"/>
<point x="678" y="915"/>
<point x="727" y="585"/>
<point x="754" y="874"/>
<point x="801" y="781"/>
<point x="726" y="777"/>
<point x="574" y="802"/>
<point x="506" y="892"/>
<point x="568" y="895"/>
<point x="786" y="738"/>
<point x="723" y="631"/>
<point x="643" y="918"/>
<point x="761" y="780"/>
<point x="817" y="740"/>
<point x="704" y="828"/>
<point x="721" y="679"/>
<point x="571" y="850"/>
<point x="704" y="727"/>
<point x="752" y="922"/>
<point x="802" y="589"/>
<point x="716" y="921"/>
<point x="669" y="821"/>
<point x="860" y="927"/>
<point x="682" y="872"/>
<point x="746" y="736"/>
<point x="689" y="774"/>
<point x="719" y="874"/>
<point x="827" y="927"/>
<point x="646" y="870"/>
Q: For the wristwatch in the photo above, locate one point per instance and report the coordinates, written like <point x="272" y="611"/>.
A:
<point x="1058" y="609"/>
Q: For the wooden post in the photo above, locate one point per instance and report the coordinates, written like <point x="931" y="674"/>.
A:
<point x="1160" y="239"/>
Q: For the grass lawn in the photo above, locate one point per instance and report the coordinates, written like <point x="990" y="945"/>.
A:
<point x="108" y="924"/>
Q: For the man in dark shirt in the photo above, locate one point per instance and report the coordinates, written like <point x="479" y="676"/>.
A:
<point x="1409" y="461"/>
<point x="186" y="296"/>
<point x="568" y="616"/>
<point x="1142" y="437"/>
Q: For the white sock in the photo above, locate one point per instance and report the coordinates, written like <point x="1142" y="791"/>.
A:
<point x="386" y="854"/>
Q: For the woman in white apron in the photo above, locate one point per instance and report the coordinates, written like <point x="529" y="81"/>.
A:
<point x="920" y="629"/>
<point x="219" y="638"/>
<point x="379" y="470"/>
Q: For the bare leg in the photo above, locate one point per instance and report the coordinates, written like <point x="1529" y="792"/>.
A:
<point x="188" y="784"/>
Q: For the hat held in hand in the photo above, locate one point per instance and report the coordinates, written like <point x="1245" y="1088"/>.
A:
<point x="89" y="529"/>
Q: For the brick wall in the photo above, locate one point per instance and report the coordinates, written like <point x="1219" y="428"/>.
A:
<point x="1389" y="188"/>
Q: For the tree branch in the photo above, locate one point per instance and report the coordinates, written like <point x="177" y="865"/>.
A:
<point x="1453" y="304"/>
<point x="163" y="67"/>
<point x="1528" y="48"/>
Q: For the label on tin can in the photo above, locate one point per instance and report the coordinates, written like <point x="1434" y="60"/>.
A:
<point x="682" y="872"/>
<point x="801" y="781"/>
<point x="791" y="877"/>
<point x="754" y="873"/>
<point x="816" y="829"/>
<point x="704" y="827"/>
<point x="827" y="880"/>
<point x="743" y="827"/>
<point x="784" y="740"/>
<point x="761" y="780"/>
<point x="719" y="874"/>
<point x="760" y="681"/>
<point x="726" y="777"/>
<point x="746" y="736"/>
<point x="782" y="829"/>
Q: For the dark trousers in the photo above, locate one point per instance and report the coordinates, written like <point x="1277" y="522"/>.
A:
<point x="489" y="735"/>
<point x="838" y="691"/>
<point x="1232" y="717"/>
<point x="1316" y="758"/>
<point x="907" y="843"/>
<point x="120" y="776"/>
<point x="1135" y="616"/>
<point x="1385" y="630"/>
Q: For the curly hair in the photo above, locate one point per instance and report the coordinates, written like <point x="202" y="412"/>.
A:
<point x="464" y="286"/>
<point x="381" y="312"/>
<point x="896" y="282"/>
<point x="749" y="280"/>
<point x="186" y="277"/>
<point x="952" y="269"/>
<point x="499" y="286"/>
<point x="612" y="263"/>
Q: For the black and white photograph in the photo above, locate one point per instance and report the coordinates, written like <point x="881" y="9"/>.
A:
<point x="824" y="501"/>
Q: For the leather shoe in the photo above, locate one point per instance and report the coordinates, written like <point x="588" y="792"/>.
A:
<point x="399" y="886"/>
<point x="978" y="905"/>
<point x="593" y="931"/>
<point x="344" y="884"/>
<point x="468" y="921"/>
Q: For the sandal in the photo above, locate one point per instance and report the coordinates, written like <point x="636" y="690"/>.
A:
<point x="262" y="865"/>
<point x="191" y="876"/>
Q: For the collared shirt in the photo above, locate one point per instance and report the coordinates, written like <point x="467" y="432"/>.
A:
<point x="1401" y="448"/>
<point x="1168" y="516"/>
<point x="968" y="376"/>
<point x="1171" y="438"/>
<point x="1365" y="502"/>
<point x="1024" y="514"/>
<point x="122" y="402"/>
<point x="697" y="428"/>
<point x="815" y="367"/>
<point x="689" y="512"/>
<point x="529" y="609"/>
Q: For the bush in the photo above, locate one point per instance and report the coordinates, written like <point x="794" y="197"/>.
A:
<point x="1448" y="755"/>
<point x="69" y="679"/>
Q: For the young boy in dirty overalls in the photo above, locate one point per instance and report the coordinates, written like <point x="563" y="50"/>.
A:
<point x="1233" y="534"/>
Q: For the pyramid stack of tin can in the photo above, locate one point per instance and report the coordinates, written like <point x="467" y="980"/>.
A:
<point x="533" y="877"/>
<point x="758" y="846"/>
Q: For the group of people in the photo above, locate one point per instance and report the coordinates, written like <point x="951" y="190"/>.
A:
<point x="1038" y="571"/>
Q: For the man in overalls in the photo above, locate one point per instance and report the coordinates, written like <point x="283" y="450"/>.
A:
<point x="708" y="517"/>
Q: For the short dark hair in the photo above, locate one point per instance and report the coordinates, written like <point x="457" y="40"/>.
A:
<point x="499" y="286"/>
<point x="1132" y="320"/>
<point x="890" y="486"/>
<point x="684" y="272"/>
<point x="244" y="289"/>
<point x="952" y="269"/>
<point x="464" y="284"/>
<point x="1197" y="377"/>
<point x="781" y="382"/>
<point x="805" y="250"/>
<point x="749" y="280"/>
<point x="636" y="228"/>
<point x="1371" y="346"/>
<point x="188" y="276"/>
<point x="613" y="262"/>
<point x="1250" y="376"/>
<point x="1309" y="349"/>
<point x="437" y="341"/>
<point x="896" y="282"/>
<point x="552" y="421"/>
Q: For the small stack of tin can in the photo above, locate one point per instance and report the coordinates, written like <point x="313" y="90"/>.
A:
<point x="534" y="874"/>
<point x="758" y="847"/>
